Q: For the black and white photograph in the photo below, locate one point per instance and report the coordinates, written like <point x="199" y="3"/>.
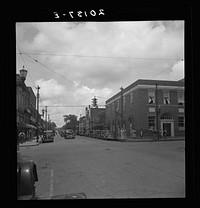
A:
<point x="100" y="108"/>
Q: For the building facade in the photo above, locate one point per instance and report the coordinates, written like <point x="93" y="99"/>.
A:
<point x="148" y="105"/>
<point x="26" y="109"/>
<point x="95" y="118"/>
<point x="23" y="110"/>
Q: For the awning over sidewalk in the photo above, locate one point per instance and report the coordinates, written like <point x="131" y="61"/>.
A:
<point x="30" y="126"/>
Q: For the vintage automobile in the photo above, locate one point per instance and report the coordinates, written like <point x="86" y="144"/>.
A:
<point x="69" y="134"/>
<point x="26" y="178"/>
<point x="48" y="136"/>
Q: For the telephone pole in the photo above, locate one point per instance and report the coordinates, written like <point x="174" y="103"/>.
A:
<point x="156" y="109"/>
<point x="45" y="117"/>
<point x="37" y="114"/>
<point x="122" y="106"/>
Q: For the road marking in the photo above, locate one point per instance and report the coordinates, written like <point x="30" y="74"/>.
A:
<point x="51" y="185"/>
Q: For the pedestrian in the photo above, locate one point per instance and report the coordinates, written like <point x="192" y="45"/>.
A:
<point x="165" y="134"/>
<point x="141" y="133"/>
<point x="160" y="132"/>
<point x="122" y="133"/>
<point x="21" y="137"/>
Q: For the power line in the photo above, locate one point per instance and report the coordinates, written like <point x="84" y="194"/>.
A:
<point x="91" y="56"/>
<point x="46" y="66"/>
<point x="70" y="106"/>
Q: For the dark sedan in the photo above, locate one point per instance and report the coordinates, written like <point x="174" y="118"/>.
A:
<point x="69" y="134"/>
<point x="48" y="136"/>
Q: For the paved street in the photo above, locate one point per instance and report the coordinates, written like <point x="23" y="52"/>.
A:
<point x="108" y="169"/>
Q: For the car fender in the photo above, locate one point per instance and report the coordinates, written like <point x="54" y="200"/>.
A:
<point x="27" y="176"/>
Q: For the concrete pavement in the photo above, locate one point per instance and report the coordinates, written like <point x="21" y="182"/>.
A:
<point x="103" y="169"/>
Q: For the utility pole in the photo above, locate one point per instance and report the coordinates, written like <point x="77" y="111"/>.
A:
<point x="37" y="118"/>
<point x="156" y="109"/>
<point x="48" y="122"/>
<point x="122" y="106"/>
<point x="45" y="117"/>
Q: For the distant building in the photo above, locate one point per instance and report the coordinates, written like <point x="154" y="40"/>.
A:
<point x="82" y="125"/>
<point x="135" y="107"/>
<point x="95" y="118"/>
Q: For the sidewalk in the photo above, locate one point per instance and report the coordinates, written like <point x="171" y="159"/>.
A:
<point x="32" y="142"/>
<point x="150" y="139"/>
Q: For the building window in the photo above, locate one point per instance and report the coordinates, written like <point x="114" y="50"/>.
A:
<point x="131" y="98"/>
<point x="180" y="98"/>
<point x="166" y="99"/>
<point x="117" y="105"/>
<point x="151" y="97"/>
<point x="113" y="107"/>
<point x="181" y="123"/>
<point x="124" y="102"/>
<point x="151" y="122"/>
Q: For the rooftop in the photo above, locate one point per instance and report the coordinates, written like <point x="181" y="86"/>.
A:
<point x="179" y="83"/>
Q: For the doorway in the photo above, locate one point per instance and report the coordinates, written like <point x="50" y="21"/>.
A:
<point x="167" y="123"/>
<point x="167" y="127"/>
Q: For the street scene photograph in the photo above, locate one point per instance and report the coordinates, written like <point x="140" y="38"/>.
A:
<point x="100" y="110"/>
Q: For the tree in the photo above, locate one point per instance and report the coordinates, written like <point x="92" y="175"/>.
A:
<point x="70" y="122"/>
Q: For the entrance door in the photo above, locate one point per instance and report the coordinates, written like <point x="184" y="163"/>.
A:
<point x="167" y="127"/>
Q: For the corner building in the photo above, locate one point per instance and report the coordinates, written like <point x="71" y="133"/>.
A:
<point x="135" y="108"/>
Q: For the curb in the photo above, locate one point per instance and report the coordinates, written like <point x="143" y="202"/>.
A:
<point x="151" y="140"/>
<point x="144" y="140"/>
<point x="27" y="145"/>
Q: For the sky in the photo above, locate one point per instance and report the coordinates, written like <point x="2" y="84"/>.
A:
<point x="74" y="61"/>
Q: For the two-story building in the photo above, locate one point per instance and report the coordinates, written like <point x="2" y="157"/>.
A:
<point x="22" y="101"/>
<point x="94" y="118"/>
<point x="135" y="107"/>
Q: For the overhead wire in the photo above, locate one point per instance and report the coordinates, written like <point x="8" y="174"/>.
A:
<point x="47" y="67"/>
<point x="92" y="56"/>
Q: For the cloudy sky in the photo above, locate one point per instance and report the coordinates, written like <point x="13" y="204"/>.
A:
<point x="74" y="61"/>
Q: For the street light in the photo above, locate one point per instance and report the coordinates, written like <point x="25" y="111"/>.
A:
<point x="23" y="74"/>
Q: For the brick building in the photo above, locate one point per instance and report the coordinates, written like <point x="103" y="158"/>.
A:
<point x="135" y="107"/>
<point x="26" y="108"/>
<point x="95" y="118"/>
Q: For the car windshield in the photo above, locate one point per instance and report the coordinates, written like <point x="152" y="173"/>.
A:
<point x="69" y="131"/>
<point x="48" y="133"/>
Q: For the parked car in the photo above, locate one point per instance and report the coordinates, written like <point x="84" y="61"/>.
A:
<point x="69" y="134"/>
<point x="26" y="178"/>
<point x="48" y="136"/>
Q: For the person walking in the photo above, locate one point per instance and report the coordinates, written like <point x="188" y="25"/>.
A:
<point x="122" y="133"/>
<point x="165" y="134"/>
<point x="141" y="133"/>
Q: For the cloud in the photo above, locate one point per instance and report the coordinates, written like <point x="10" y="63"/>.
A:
<point x="50" y="88"/>
<point x="177" y="72"/>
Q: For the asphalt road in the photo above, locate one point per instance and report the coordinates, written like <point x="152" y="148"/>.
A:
<point x="94" y="168"/>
